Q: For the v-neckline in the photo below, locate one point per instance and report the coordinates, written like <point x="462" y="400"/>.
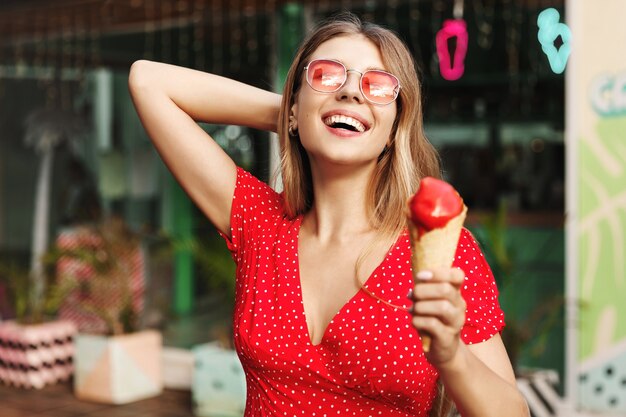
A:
<point x="307" y="334"/>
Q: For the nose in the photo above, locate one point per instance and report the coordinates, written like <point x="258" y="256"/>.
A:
<point x="350" y="90"/>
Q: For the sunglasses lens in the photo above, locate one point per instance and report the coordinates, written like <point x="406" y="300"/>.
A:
<point x="325" y="76"/>
<point x="379" y="87"/>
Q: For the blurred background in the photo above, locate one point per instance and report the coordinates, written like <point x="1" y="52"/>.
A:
<point x="73" y="156"/>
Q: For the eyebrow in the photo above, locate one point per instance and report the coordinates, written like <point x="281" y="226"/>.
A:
<point x="370" y="68"/>
<point x="376" y="69"/>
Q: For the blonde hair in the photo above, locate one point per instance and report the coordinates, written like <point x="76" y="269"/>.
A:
<point x="409" y="156"/>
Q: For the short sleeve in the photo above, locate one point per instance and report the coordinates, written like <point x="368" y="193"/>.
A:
<point x="254" y="207"/>
<point x="484" y="317"/>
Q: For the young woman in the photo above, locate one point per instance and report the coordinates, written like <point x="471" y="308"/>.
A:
<point x="323" y="324"/>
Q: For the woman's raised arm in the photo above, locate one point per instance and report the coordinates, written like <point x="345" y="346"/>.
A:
<point x="170" y="100"/>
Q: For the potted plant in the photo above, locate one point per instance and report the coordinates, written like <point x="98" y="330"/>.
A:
<point x="116" y="361"/>
<point x="36" y="349"/>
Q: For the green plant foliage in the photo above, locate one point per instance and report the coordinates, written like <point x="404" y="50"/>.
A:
<point x="106" y="249"/>
<point x="214" y="264"/>
<point x="16" y="279"/>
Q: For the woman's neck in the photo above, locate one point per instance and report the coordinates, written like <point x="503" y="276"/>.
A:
<point x="339" y="210"/>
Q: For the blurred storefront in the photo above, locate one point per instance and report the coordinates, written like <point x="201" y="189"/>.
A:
<point x="499" y="128"/>
<point x="596" y="206"/>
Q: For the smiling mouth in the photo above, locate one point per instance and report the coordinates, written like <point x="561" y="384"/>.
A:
<point x="345" y="122"/>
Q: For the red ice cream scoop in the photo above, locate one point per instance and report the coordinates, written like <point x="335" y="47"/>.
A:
<point x="434" y="204"/>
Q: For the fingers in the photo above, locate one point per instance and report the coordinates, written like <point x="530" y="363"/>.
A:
<point x="454" y="276"/>
<point x="435" y="291"/>
<point x="445" y="311"/>
<point x="439" y="284"/>
<point x="438" y="307"/>
<point x="435" y="327"/>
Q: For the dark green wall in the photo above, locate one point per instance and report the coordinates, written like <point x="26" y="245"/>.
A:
<point x="531" y="294"/>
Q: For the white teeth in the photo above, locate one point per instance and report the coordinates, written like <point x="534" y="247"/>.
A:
<point x="329" y="121"/>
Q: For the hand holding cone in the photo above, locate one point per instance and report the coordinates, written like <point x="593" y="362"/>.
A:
<point x="436" y="215"/>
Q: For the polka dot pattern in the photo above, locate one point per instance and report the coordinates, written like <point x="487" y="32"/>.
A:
<point x="370" y="360"/>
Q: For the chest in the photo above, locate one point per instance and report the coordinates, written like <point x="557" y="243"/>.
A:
<point x="368" y="347"/>
<point x="364" y="342"/>
<point x="328" y="280"/>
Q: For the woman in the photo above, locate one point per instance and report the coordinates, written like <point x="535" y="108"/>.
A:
<point x="323" y="324"/>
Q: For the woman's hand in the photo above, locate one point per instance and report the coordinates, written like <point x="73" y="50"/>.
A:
<point x="439" y="310"/>
<point x="468" y="372"/>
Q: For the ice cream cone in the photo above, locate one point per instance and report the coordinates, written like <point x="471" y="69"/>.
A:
<point x="435" y="249"/>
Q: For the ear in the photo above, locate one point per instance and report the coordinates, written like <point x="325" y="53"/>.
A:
<point x="293" y="111"/>
<point x="293" y="121"/>
<point x="293" y="116"/>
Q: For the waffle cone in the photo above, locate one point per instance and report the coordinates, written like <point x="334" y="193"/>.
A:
<point x="435" y="249"/>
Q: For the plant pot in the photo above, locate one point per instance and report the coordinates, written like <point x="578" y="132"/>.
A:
<point x="118" y="369"/>
<point x="36" y="355"/>
<point x="219" y="384"/>
<point x="177" y="368"/>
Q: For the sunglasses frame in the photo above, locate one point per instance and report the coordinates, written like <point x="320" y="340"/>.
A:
<point x="345" y="79"/>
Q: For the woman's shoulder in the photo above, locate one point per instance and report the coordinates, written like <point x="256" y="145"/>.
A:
<point x="254" y="192"/>
<point x="255" y="187"/>
<point x="468" y="245"/>
<point x="257" y="212"/>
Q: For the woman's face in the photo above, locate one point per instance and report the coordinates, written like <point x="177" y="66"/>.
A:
<point x="322" y="117"/>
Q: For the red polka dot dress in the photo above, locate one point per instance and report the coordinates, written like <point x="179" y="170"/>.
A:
<point x="370" y="360"/>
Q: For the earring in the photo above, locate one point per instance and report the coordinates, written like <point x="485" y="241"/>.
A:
<point x="293" y="126"/>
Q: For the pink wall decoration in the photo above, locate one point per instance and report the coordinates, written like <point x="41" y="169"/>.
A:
<point x="452" y="68"/>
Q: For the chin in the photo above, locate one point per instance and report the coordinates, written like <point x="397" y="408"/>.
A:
<point x="344" y="159"/>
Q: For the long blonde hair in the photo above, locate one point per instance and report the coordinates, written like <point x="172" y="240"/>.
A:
<point x="409" y="156"/>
